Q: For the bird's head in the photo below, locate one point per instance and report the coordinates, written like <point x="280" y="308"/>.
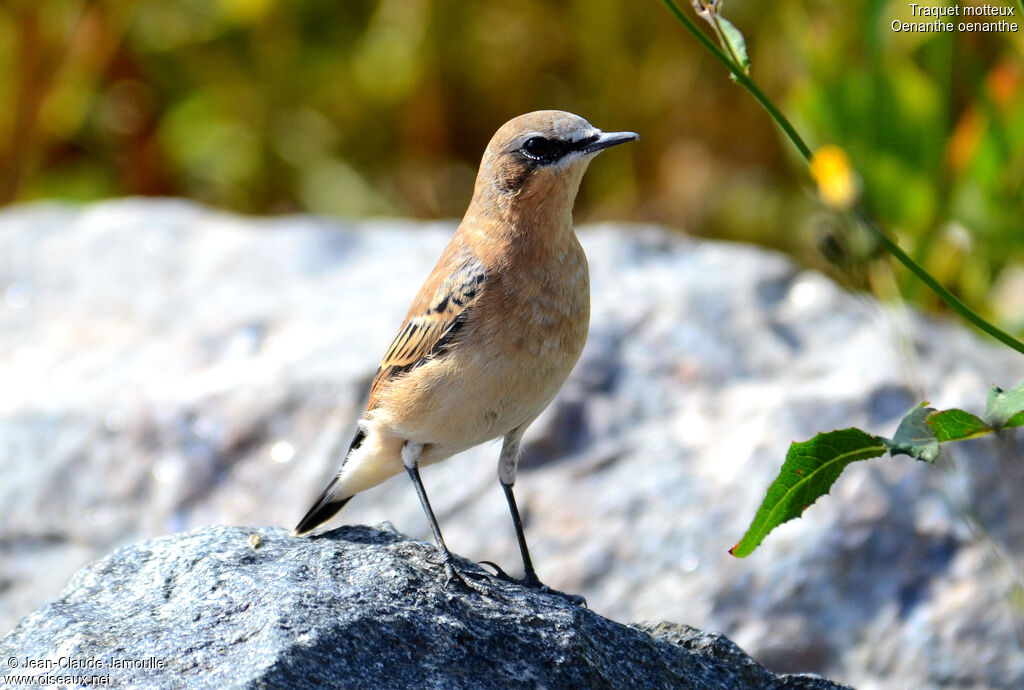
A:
<point x="536" y="161"/>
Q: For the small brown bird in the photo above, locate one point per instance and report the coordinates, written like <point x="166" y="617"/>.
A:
<point x="493" y="332"/>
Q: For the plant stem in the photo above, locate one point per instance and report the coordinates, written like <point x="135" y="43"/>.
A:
<point x="742" y="78"/>
<point x="954" y="302"/>
<point x="945" y="295"/>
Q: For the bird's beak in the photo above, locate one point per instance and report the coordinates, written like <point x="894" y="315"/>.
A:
<point x="607" y="139"/>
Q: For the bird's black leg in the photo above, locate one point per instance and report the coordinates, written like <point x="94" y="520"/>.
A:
<point x="506" y="475"/>
<point x="410" y="458"/>
<point x="530" y="578"/>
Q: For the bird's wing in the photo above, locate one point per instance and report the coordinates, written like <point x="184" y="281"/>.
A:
<point x="440" y="309"/>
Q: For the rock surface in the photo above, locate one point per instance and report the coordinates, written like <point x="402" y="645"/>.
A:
<point x="229" y="607"/>
<point x="164" y="367"/>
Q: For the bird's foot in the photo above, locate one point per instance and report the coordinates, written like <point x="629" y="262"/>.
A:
<point x="465" y="580"/>
<point x="531" y="581"/>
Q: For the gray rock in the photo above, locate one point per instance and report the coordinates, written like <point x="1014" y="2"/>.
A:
<point x="231" y="607"/>
<point x="165" y="367"/>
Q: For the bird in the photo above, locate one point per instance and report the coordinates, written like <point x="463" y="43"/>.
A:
<point x="494" y="331"/>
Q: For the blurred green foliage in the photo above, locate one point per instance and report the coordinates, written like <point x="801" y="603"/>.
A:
<point x="934" y="122"/>
<point x="357" y="107"/>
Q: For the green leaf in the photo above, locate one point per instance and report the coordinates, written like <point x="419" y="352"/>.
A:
<point x="956" y="425"/>
<point x="813" y="466"/>
<point x="1005" y="408"/>
<point x="914" y="437"/>
<point x="810" y="469"/>
<point x="734" y="43"/>
<point x="730" y="38"/>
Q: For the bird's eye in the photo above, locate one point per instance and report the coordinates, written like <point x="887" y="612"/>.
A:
<point x="541" y="149"/>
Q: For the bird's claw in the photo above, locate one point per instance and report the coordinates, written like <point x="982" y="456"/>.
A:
<point x="499" y="573"/>
<point x="535" y="584"/>
<point x="472" y="583"/>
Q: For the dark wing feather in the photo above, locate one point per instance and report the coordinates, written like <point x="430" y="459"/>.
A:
<point x="438" y="312"/>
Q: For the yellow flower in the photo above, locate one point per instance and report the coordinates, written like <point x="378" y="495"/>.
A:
<point x="837" y="183"/>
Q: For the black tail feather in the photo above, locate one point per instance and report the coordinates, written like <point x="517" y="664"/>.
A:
<point x="323" y="510"/>
<point x="327" y="506"/>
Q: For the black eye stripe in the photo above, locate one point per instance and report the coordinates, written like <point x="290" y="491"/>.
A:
<point x="544" y="149"/>
<point x="547" y="150"/>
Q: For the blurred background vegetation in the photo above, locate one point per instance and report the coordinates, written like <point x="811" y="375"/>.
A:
<point x="362" y="108"/>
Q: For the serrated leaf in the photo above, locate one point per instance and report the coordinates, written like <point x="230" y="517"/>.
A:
<point x="956" y="425"/>
<point x="914" y="437"/>
<point x="1005" y="408"/>
<point x="813" y="466"/>
<point x="810" y="469"/>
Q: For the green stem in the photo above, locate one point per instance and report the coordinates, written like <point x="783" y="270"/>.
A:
<point x="945" y="295"/>
<point x="954" y="302"/>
